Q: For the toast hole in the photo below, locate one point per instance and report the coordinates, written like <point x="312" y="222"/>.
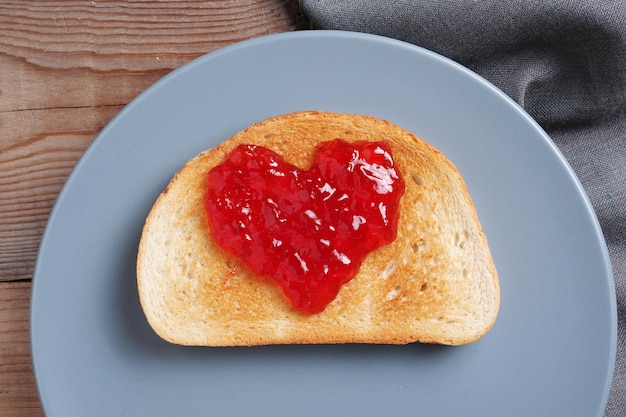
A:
<point x="391" y="266"/>
<point x="417" y="179"/>
<point x="465" y="273"/>
<point x="395" y="291"/>
<point x="269" y="136"/>
<point x="424" y="286"/>
<point x="418" y="246"/>
<point x="459" y="240"/>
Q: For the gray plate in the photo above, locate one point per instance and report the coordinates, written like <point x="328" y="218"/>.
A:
<point x="551" y="352"/>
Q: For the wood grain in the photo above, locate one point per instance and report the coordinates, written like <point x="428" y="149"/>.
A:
<point x="66" y="69"/>
<point x="18" y="396"/>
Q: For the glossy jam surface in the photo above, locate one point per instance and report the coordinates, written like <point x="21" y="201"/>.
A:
<point x="307" y="229"/>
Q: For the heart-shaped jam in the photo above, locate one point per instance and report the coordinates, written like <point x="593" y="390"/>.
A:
<point x="307" y="229"/>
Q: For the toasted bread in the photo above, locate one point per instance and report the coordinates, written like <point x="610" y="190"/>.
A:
<point x="435" y="283"/>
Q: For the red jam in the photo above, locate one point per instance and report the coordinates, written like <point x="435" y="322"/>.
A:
<point x="307" y="229"/>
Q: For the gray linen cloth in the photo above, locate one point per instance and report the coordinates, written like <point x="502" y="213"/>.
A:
<point x="564" y="62"/>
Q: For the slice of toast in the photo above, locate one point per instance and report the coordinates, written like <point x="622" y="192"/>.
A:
<point x="435" y="283"/>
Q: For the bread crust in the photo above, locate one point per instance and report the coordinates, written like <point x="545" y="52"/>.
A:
<point x="436" y="283"/>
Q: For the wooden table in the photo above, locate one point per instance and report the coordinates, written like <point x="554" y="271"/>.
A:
<point x="66" y="68"/>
